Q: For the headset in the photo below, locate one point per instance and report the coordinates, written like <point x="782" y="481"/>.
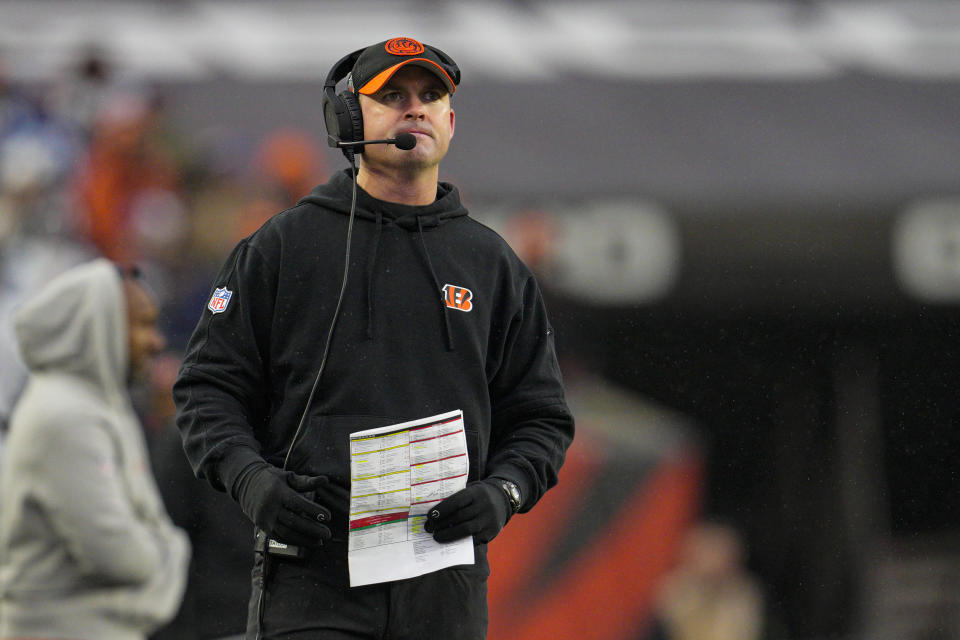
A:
<point x="341" y="112"/>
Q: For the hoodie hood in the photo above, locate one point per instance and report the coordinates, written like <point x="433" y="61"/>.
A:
<point x="76" y="325"/>
<point x="337" y="194"/>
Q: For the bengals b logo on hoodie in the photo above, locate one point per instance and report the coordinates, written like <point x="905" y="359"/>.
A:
<point x="458" y="298"/>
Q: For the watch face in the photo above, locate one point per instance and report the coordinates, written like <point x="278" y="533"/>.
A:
<point x="513" y="493"/>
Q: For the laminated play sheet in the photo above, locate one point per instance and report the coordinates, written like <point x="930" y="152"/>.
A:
<point x="398" y="472"/>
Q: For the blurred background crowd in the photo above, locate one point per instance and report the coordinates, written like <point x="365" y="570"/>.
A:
<point x="746" y="220"/>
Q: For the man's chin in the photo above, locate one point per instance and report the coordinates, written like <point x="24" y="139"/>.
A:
<point x="422" y="155"/>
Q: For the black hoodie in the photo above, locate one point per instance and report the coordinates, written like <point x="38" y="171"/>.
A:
<point x="438" y="314"/>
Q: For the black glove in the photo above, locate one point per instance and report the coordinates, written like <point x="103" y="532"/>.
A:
<point x="481" y="510"/>
<point x="273" y="500"/>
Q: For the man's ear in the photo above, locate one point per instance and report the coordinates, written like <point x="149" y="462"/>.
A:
<point x="452" y="122"/>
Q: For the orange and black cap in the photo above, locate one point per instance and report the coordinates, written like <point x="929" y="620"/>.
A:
<point x="377" y="64"/>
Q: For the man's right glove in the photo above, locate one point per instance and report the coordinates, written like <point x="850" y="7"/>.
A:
<point x="273" y="499"/>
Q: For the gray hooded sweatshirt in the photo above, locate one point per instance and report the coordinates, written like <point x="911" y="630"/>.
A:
<point x="86" y="548"/>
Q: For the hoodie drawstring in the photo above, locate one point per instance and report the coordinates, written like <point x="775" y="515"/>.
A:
<point x="371" y="264"/>
<point x="443" y="307"/>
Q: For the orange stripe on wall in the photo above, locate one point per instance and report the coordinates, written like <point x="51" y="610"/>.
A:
<point x="520" y="551"/>
<point x="608" y="591"/>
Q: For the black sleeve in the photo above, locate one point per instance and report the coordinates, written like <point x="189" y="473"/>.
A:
<point x="532" y="426"/>
<point x="221" y="391"/>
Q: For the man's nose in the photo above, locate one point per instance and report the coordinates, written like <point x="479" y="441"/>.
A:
<point x="159" y="342"/>
<point x="416" y="108"/>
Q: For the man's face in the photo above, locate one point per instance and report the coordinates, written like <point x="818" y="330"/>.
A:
<point x="413" y="101"/>
<point x="145" y="339"/>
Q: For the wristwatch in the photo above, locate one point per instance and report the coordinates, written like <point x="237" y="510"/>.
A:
<point x="513" y="494"/>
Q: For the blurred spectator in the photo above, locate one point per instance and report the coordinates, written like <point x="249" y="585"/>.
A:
<point x="35" y="159"/>
<point x="238" y="184"/>
<point x="80" y="93"/>
<point x="710" y="595"/>
<point x="15" y="107"/>
<point x="86" y="548"/>
<point x="220" y="189"/>
<point x="218" y="585"/>
<point x="125" y="164"/>
<point x="219" y="197"/>
<point x="35" y="244"/>
<point x="289" y="164"/>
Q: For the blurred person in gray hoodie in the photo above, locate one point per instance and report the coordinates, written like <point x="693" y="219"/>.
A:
<point x="86" y="548"/>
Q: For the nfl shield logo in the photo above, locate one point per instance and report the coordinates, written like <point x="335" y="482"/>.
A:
<point x="219" y="300"/>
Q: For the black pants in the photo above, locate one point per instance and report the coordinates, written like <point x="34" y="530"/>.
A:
<point x="311" y="599"/>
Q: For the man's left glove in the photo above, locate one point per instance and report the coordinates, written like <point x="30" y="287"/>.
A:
<point x="480" y="510"/>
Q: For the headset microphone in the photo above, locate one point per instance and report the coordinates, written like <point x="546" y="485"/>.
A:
<point x="404" y="141"/>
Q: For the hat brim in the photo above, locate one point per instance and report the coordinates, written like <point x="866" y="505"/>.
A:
<point x="376" y="82"/>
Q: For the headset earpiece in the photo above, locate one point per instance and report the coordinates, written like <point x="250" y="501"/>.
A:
<point x="354" y="116"/>
<point x="341" y="112"/>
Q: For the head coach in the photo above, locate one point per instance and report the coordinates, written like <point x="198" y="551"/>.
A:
<point x="375" y="300"/>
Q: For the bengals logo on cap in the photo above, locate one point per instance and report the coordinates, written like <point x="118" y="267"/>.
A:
<point x="403" y="47"/>
<point x="459" y="298"/>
